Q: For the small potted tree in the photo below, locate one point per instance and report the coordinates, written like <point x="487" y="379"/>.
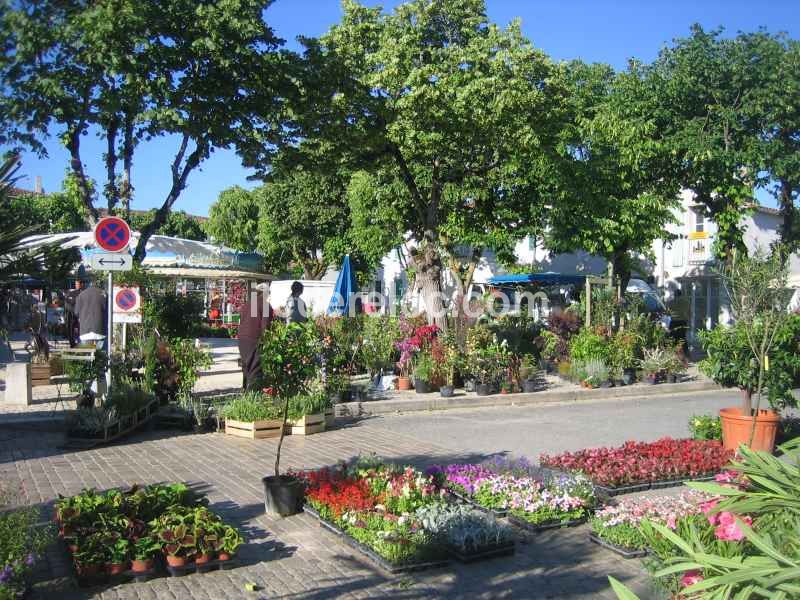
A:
<point x="448" y="361"/>
<point x="757" y="288"/>
<point x="423" y="372"/>
<point x="288" y="362"/>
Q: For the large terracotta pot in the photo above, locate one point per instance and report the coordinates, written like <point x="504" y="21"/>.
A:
<point x="403" y="383"/>
<point x="736" y="429"/>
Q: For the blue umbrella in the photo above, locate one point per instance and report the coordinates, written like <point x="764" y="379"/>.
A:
<point x="344" y="289"/>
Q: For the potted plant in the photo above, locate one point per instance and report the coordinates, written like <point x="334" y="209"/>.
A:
<point x="622" y="357"/>
<point x="229" y="543"/>
<point x="89" y="555"/>
<point x="449" y="359"/>
<point x="596" y="373"/>
<point x="548" y="349"/>
<point x="423" y="372"/>
<point x="207" y="533"/>
<point x="175" y="531"/>
<point x="117" y="554"/>
<point x="675" y="364"/>
<point x="144" y="551"/>
<point x="653" y="364"/>
<point x="757" y="288"/>
<point x="288" y="353"/>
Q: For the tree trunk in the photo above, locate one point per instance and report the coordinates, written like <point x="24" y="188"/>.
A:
<point x="428" y="265"/>
<point x="747" y="401"/>
<point x="74" y="148"/>
<point x="789" y="215"/>
<point x="127" y="165"/>
<point x="462" y="286"/>
<point x="112" y="190"/>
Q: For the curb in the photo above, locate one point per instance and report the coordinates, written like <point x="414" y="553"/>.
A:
<point x="429" y="402"/>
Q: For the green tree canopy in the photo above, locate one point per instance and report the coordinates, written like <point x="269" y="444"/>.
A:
<point x="233" y="219"/>
<point x="448" y="107"/>
<point x="178" y="224"/>
<point x="192" y="71"/>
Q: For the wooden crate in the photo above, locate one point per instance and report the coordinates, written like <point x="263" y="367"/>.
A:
<point x="40" y="375"/>
<point x="255" y="430"/>
<point x="308" y="424"/>
<point x="330" y="417"/>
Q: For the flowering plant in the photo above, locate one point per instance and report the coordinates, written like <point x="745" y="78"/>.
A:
<point x="638" y="462"/>
<point x="415" y="339"/>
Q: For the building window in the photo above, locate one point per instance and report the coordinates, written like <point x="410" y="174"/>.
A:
<point x="699" y="219"/>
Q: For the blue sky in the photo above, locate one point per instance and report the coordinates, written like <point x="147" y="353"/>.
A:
<point x="594" y="30"/>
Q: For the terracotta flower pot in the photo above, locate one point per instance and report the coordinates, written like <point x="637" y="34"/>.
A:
<point x="224" y="556"/>
<point x="176" y="561"/>
<point x="116" y="568"/>
<point x="403" y="383"/>
<point x="141" y="566"/>
<point x="202" y="559"/>
<point x="736" y="429"/>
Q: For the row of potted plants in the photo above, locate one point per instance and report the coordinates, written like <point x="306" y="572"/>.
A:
<point x="255" y="414"/>
<point x="643" y="463"/>
<point x="531" y="497"/>
<point x="116" y="531"/>
<point x="400" y="514"/>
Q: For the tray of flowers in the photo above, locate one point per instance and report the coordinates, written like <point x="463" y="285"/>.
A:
<point x="536" y="499"/>
<point x="618" y="527"/>
<point x="637" y="466"/>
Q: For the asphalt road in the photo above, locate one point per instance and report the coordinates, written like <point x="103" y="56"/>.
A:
<point x="531" y="430"/>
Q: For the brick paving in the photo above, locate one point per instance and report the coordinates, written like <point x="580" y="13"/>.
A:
<point x="294" y="558"/>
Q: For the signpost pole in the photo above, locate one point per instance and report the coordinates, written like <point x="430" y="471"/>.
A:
<point x="110" y="331"/>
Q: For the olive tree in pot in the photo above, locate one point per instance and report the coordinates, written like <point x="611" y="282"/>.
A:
<point x="756" y="287"/>
<point x="289" y="363"/>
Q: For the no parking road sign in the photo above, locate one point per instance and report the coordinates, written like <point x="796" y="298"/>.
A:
<point x="127" y="305"/>
<point x="112" y="234"/>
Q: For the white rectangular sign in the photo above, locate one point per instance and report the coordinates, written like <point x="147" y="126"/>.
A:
<point x="111" y="261"/>
<point x="127" y="304"/>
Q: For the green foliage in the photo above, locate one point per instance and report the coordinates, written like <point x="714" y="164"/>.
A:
<point x="378" y="348"/>
<point x="486" y="358"/>
<point x="23" y="541"/>
<point x="424" y="367"/>
<point x="730" y="361"/>
<point x="622" y="351"/>
<point x="288" y="357"/>
<point x="519" y="332"/>
<point x="764" y="565"/>
<point x="173" y="315"/>
<point x="303" y="219"/>
<point x="178" y="224"/>
<point x="233" y="219"/>
<point x="310" y="403"/>
<point x="705" y="427"/>
<point x="188" y="360"/>
<point x="251" y="406"/>
<point x="588" y="345"/>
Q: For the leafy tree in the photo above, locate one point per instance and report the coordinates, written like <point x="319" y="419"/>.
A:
<point x="178" y="224"/>
<point x="696" y="100"/>
<point x="131" y="70"/>
<point x="59" y="212"/>
<point x="610" y="196"/>
<point x="449" y="108"/>
<point x="233" y="219"/>
<point x="303" y="220"/>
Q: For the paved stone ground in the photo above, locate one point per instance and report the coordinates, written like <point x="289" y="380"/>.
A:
<point x="293" y="557"/>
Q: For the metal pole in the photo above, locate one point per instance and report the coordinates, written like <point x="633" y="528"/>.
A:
<point x="110" y="331"/>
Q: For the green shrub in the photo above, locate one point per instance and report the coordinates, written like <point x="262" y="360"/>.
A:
<point x="252" y="406"/>
<point x="173" y="315"/>
<point x="588" y="345"/>
<point x="705" y="427"/>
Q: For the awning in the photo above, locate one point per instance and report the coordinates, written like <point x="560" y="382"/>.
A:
<point x="208" y="273"/>
<point x="549" y="278"/>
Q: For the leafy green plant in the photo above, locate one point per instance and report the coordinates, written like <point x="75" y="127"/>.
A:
<point x="309" y="403"/>
<point x="231" y="540"/>
<point x="117" y="549"/>
<point x="655" y="361"/>
<point x="378" y="348"/>
<point x="146" y="547"/>
<point x="596" y="371"/>
<point x="251" y="406"/>
<point x="423" y="366"/>
<point x="705" y="427"/>
<point x="548" y="342"/>
<point x="189" y="359"/>
<point x="588" y="345"/>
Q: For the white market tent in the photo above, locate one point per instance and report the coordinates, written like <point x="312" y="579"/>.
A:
<point x="187" y="261"/>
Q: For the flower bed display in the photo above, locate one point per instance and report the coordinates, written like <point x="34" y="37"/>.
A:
<point x="398" y="517"/>
<point x="142" y="532"/>
<point x="618" y="527"/>
<point x="640" y="465"/>
<point x="532" y="499"/>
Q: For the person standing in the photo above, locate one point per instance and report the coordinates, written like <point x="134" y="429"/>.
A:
<point x="70" y="298"/>
<point x="255" y="317"/>
<point x="295" y="309"/>
<point x="91" y="309"/>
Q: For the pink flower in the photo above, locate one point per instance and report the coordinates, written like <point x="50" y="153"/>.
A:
<point x="707" y="507"/>
<point x="726" y="477"/>
<point x="728" y="529"/>
<point x="690" y="578"/>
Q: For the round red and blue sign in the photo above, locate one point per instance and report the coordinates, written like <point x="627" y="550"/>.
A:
<point x="112" y="234"/>
<point x="126" y="299"/>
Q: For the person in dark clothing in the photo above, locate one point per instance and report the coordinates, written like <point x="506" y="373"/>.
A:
<point x="70" y="298"/>
<point x="91" y="310"/>
<point x="256" y="315"/>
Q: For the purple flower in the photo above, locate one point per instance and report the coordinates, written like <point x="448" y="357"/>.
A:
<point x="6" y="573"/>
<point x="30" y="559"/>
